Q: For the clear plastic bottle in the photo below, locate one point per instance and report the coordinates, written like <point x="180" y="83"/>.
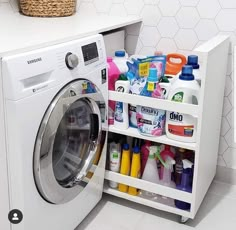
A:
<point x="151" y="173"/>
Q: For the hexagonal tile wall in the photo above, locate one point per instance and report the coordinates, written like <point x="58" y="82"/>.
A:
<point x="169" y="7"/>
<point x="151" y="15"/>
<point x="134" y="6"/>
<point x="182" y="42"/>
<point x="102" y="6"/>
<point x="187" y="17"/>
<point x="208" y="8"/>
<point x="168" y="27"/>
<point x="166" y="45"/>
<point x="188" y="2"/>
<point x="149" y="36"/>
<point x="206" y="29"/>
<point x="118" y="10"/>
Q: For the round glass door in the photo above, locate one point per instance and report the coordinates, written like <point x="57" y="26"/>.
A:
<point x="67" y="142"/>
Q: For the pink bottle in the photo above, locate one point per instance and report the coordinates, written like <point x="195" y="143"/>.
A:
<point x="164" y="154"/>
<point x="144" y="154"/>
<point x="113" y="75"/>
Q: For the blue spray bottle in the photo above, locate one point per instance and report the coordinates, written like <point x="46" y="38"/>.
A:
<point x="185" y="184"/>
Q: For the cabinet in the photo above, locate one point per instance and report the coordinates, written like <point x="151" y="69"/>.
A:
<point x="213" y="61"/>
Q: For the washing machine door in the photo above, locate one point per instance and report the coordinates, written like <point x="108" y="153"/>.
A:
<point x="67" y="142"/>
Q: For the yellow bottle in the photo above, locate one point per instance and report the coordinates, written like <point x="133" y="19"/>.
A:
<point x="135" y="169"/>
<point x="125" y="166"/>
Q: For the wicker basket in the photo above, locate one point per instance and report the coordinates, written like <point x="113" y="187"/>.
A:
<point x="48" y="8"/>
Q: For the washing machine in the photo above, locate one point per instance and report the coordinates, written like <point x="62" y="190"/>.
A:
<point x="55" y="106"/>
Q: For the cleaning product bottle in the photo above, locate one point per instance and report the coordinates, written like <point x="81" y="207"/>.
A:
<point x="120" y="59"/>
<point x="151" y="121"/>
<point x="121" y="119"/>
<point x="144" y="154"/>
<point x="185" y="184"/>
<point x="135" y="169"/>
<point x="193" y="61"/>
<point x="165" y="86"/>
<point x="114" y="161"/>
<point x="164" y="154"/>
<point x="113" y="75"/>
<point x="125" y="166"/>
<point x="179" y="156"/>
<point x="166" y="181"/>
<point x="150" y="173"/>
<point x="183" y="127"/>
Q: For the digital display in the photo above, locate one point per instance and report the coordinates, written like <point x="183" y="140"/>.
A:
<point x="90" y="53"/>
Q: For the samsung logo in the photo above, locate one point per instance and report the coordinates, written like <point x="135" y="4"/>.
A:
<point x="34" y="60"/>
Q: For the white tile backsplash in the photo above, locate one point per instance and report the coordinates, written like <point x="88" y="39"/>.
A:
<point x="175" y="25"/>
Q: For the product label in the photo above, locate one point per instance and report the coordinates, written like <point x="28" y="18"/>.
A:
<point x="181" y="130"/>
<point x="132" y="116"/>
<point x="84" y="85"/>
<point x="143" y="69"/>
<point x="150" y="86"/>
<point x="178" y="97"/>
<point x="150" y="121"/>
<point x="178" y="117"/>
<point x="119" y="112"/>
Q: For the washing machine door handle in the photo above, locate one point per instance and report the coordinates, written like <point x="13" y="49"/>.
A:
<point x="95" y="137"/>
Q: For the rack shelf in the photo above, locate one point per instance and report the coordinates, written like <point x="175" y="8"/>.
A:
<point x="144" y="201"/>
<point x="133" y="132"/>
<point x="154" y="103"/>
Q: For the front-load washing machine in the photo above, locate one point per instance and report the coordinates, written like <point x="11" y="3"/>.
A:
<point x="55" y="104"/>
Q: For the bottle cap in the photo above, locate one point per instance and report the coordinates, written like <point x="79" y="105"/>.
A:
<point x="136" y="149"/>
<point x="152" y="75"/>
<point x="120" y="53"/>
<point x="193" y="61"/>
<point x="187" y="73"/>
<point x="122" y="77"/>
<point x="126" y="147"/>
<point x="109" y="59"/>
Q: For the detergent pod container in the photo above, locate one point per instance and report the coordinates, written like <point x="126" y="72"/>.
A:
<point x="183" y="127"/>
<point x="185" y="184"/>
<point x="151" y="121"/>
<point x="193" y="61"/>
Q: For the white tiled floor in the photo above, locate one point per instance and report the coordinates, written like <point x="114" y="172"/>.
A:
<point x="217" y="212"/>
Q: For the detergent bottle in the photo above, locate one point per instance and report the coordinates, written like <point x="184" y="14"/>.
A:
<point x="135" y="169"/>
<point x="193" y="61"/>
<point x="120" y="59"/>
<point x="164" y="154"/>
<point x="121" y="117"/>
<point x="144" y="154"/>
<point x="183" y="127"/>
<point x="179" y="156"/>
<point x="125" y="166"/>
<point x="113" y="75"/>
<point x="185" y="184"/>
<point x="150" y="173"/>
<point x="114" y="161"/>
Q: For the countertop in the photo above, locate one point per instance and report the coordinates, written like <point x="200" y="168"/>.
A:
<point x="20" y="33"/>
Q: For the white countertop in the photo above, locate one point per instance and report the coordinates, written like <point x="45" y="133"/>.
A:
<point x="21" y="33"/>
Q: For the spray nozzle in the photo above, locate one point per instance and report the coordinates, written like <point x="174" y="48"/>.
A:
<point x="169" y="163"/>
<point x="187" y="164"/>
<point x="158" y="155"/>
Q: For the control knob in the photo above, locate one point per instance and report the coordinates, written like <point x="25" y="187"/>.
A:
<point x="72" y="60"/>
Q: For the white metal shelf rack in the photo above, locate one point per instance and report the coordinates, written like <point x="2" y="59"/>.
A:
<point x="213" y="61"/>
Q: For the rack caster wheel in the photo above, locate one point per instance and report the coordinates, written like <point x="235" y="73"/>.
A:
<point x="183" y="219"/>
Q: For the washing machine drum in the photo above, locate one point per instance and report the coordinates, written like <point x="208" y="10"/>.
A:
<point x="68" y="140"/>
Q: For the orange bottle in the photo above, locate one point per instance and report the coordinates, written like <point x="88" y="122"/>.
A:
<point x="172" y="67"/>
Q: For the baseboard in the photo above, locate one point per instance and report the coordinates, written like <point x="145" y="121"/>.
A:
<point x="226" y="175"/>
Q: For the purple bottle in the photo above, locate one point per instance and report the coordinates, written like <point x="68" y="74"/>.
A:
<point x="186" y="184"/>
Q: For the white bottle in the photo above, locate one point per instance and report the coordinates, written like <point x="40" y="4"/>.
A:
<point x="120" y="59"/>
<point x="150" y="172"/>
<point x="114" y="161"/>
<point x="185" y="89"/>
<point x="166" y="181"/>
<point x="121" y="118"/>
